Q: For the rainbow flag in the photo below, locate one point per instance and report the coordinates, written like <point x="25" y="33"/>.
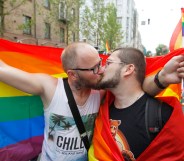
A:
<point x="21" y="114"/>
<point x="107" y="48"/>
<point x="176" y="41"/>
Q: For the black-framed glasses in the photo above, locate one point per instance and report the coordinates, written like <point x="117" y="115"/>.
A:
<point x="108" y="62"/>
<point x="95" y="69"/>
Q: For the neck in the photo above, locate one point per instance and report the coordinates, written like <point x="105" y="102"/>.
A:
<point x="125" y="96"/>
<point x="80" y="95"/>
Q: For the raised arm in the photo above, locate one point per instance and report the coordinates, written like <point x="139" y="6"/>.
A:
<point x="37" y="84"/>
<point x="171" y="73"/>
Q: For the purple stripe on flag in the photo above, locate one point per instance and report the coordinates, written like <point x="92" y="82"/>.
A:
<point x="182" y="29"/>
<point x="22" y="151"/>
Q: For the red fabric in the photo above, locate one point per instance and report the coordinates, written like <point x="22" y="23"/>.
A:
<point x="105" y="148"/>
<point x="167" y="146"/>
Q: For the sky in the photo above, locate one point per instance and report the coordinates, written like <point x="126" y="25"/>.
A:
<point x="164" y="16"/>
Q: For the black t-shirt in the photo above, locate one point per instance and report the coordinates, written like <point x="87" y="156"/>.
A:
<point x="133" y="123"/>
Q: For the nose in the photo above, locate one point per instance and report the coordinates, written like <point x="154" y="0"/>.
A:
<point x="101" y="70"/>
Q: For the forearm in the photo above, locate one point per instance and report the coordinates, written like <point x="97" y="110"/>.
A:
<point x="152" y="86"/>
<point x="18" y="79"/>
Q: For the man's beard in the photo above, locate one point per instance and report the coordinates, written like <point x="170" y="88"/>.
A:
<point x="110" y="83"/>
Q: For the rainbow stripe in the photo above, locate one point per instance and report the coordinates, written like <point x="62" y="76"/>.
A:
<point x="176" y="41"/>
<point x="107" y="48"/>
<point x="21" y="114"/>
<point x="182" y="16"/>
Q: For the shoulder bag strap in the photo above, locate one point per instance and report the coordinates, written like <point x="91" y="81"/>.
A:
<point x="76" y="115"/>
<point x="153" y="117"/>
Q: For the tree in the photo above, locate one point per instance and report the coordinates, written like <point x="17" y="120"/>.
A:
<point x="148" y="53"/>
<point x="4" y="10"/>
<point x="112" y="29"/>
<point x="99" y="24"/>
<point x="161" y="50"/>
<point x="92" y="21"/>
<point x="49" y="15"/>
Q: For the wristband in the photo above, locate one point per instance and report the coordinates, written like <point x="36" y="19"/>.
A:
<point x="157" y="82"/>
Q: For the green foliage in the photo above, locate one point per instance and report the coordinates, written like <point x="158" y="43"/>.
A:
<point x="148" y="53"/>
<point x="112" y="29"/>
<point x="99" y="24"/>
<point x="161" y="50"/>
<point x="52" y="16"/>
<point x="5" y="10"/>
<point x="26" y="25"/>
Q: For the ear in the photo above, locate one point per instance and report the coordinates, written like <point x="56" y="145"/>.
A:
<point x="130" y="68"/>
<point x="119" y="122"/>
<point x="72" y="74"/>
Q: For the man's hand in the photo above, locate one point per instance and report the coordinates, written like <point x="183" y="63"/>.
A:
<point x="173" y="71"/>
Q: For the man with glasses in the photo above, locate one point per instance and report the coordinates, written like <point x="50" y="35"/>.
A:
<point x="121" y="126"/>
<point x="82" y="64"/>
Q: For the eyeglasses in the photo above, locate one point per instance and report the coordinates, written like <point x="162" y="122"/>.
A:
<point x="108" y="62"/>
<point x="95" y="69"/>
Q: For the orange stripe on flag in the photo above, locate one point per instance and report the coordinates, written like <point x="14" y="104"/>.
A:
<point x="176" y="38"/>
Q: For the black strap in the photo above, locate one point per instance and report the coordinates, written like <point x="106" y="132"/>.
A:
<point x="76" y="115"/>
<point x="153" y="117"/>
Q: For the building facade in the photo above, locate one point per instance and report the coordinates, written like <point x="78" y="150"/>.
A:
<point x="40" y="22"/>
<point x="127" y="16"/>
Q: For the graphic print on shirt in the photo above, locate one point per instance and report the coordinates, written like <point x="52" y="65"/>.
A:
<point x="64" y="134"/>
<point x="121" y="140"/>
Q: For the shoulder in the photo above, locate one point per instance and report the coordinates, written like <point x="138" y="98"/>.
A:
<point x="166" y="109"/>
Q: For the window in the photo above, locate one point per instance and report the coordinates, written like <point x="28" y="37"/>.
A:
<point x="47" y="4"/>
<point x="128" y="7"/>
<point x="119" y="20"/>
<point x="73" y="36"/>
<point x="62" y="11"/>
<point x="27" y="25"/>
<point x="119" y="2"/>
<point x="62" y="34"/>
<point x="127" y="29"/>
<point x="119" y="10"/>
<point x="73" y="13"/>
<point x="47" y="30"/>
<point x="143" y="22"/>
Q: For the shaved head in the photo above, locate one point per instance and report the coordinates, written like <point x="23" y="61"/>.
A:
<point x="76" y="53"/>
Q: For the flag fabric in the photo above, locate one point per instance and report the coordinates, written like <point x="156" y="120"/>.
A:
<point x="107" y="48"/>
<point x="176" y="41"/>
<point x="21" y="114"/>
<point x="105" y="148"/>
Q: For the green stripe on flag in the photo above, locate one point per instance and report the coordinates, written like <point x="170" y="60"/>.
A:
<point x="22" y="107"/>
